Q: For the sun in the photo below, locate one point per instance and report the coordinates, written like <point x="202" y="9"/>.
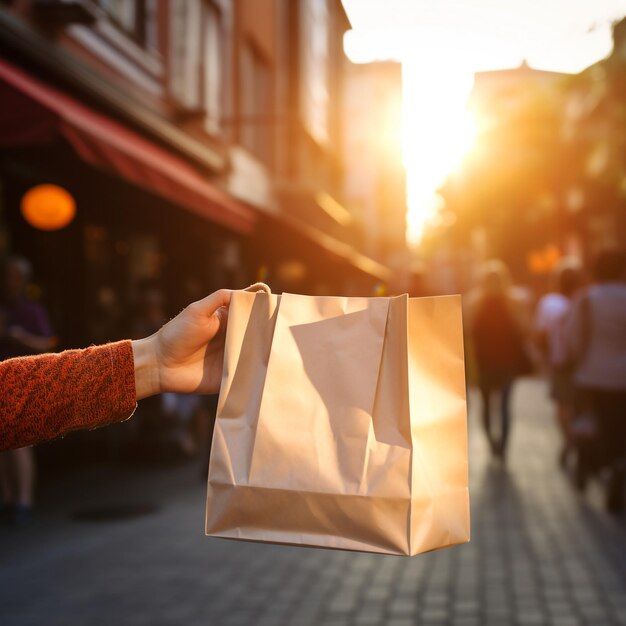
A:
<point x="437" y="132"/>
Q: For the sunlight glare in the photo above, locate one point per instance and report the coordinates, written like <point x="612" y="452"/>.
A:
<point x="438" y="131"/>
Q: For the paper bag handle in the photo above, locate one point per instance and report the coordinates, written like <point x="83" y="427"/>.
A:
<point x="259" y="287"/>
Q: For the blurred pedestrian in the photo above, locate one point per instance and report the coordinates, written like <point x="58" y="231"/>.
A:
<point x="24" y="329"/>
<point x="498" y="323"/>
<point x="596" y="337"/>
<point x="549" y="338"/>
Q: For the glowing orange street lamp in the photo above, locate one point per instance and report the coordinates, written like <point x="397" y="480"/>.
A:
<point x="48" y="207"/>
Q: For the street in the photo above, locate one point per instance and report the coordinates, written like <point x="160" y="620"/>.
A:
<point x="540" y="554"/>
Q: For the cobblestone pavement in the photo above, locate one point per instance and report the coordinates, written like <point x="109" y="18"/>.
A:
<point x="540" y="554"/>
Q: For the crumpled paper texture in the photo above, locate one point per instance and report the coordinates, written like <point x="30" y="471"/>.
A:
<point x="341" y="423"/>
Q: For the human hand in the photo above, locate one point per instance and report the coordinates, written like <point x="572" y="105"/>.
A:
<point x="186" y="355"/>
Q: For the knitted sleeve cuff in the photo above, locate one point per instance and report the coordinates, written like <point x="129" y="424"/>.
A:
<point x="105" y="386"/>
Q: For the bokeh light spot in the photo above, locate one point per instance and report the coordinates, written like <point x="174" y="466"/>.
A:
<point x="48" y="207"/>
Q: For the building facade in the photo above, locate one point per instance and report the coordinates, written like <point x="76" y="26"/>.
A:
<point x="506" y="187"/>
<point x="375" y="178"/>
<point x="199" y="139"/>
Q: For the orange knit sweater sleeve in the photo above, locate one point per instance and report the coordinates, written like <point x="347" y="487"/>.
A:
<point x="48" y="395"/>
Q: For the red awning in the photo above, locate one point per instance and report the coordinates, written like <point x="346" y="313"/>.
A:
<point x="33" y="112"/>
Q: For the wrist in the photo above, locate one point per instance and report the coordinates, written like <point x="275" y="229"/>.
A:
<point x="147" y="379"/>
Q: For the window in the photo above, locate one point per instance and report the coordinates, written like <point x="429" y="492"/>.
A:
<point x="196" y="58"/>
<point x="137" y="18"/>
<point x="185" y="37"/>
<point x="255" y="90"/>
<point x="212" y="69"/>
<point x="314" y="68"/>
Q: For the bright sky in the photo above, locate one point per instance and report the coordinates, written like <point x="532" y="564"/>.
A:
<point x="441" y="43"/>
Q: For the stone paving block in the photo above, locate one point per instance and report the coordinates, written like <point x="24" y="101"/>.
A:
<point x="336" y="621"/>
<point x="304" y="618"/>
<point x="399" y="621"/>
<point x="267" y="620"/>
<point x="436" y="599"/>
<point x="566" y="621"/>
<point x="343" y="603"/>
<point x="464" y="607"/>
<point x="559" y="608"/>
<point x="369" y="618"/>
<point x="531" y="619"/>
<point x="403" y="607"/>
<point x="408" y="586"/>
<point x="595" y="614"/>
<point x="527" y="604"/>
<point x="552" y="592"/>
<point x="466" y="621"/>
<point x="378" y="592"/>
<point x="433" y="615"/>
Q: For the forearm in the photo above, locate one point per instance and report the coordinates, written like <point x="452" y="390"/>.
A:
<point x="147" y="379"/>
<point x="45" y="396"/>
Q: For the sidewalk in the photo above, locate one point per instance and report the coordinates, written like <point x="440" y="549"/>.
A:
<point x="540" y="554"/>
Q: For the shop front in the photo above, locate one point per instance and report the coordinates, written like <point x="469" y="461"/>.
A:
<point x="142" y="213"/>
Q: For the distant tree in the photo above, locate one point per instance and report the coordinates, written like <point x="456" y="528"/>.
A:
<point x="549" y="163"/>
<point x="510" y="183"/>
<point x="598" y="129"/>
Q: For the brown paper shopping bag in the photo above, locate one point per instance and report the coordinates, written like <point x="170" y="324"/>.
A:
<point x="341" y="423"/>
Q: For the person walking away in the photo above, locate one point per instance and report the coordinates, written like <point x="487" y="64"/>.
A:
<point x="596" y="341"/>
<point x="548" y="334"/>
<point x="24" y="329"/>
<point x="497" y="322"/>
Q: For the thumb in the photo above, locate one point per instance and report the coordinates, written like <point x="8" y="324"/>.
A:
<point x="213" y="302"/>
<point x="222" y="317"/>
<point x="207" y="315"/>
